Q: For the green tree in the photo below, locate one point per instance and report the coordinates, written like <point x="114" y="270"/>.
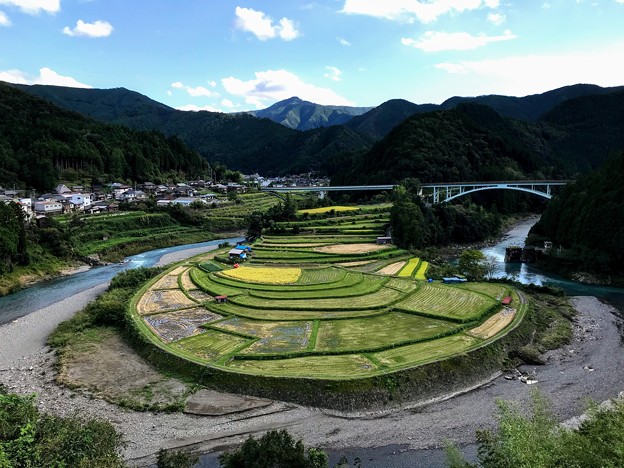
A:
<point x="275" y="449"/>
<point x="472" y="264"/>
<point x="176" y="459"/>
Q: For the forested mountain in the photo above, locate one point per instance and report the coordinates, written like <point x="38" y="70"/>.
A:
<point x="576" y="132"/>
<point x="304" y="115"/>
<point x="40" y="142"/>
<point x="241" y="141"/>
<point x="472" y="142"/>
<point x="531" y="107"/>
<point x="588" y="219"/>
<point x="377" y="122"/>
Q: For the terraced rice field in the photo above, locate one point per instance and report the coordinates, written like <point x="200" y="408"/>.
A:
<point x="316" y="322"/>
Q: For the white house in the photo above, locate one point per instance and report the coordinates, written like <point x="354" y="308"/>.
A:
<point x="81" y="199"/>
<point x="48" y="207"/>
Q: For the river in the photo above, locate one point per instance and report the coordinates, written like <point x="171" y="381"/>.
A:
<point x="50" y="292"/>
<point x="45" y="293"/>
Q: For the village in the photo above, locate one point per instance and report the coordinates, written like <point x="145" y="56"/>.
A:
<point x="95" y="199"/>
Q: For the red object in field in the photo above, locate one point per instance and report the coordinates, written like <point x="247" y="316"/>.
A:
<point x="506" y="300"/>
<point x="236" y="265"/>
<point x="220" y="299"/>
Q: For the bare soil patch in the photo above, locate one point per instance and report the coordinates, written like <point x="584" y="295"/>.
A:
<point x="187" y="282"/>
<point x="351" y="248"/>
<point x="494" y="324"/>
<point x="169" y="281"/>
<point x="111" y="369"/>
<point x="353" y="264"/>
<point x="392" y="269"/>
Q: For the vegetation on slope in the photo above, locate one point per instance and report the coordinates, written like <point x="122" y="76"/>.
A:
<point x="39" y="143"/>
<point x="587" y="221"/>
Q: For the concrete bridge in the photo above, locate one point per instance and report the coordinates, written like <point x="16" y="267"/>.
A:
<point x="441" y="192"/>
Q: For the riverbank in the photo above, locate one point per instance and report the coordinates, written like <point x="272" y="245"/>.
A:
<point x="580" y="370"/>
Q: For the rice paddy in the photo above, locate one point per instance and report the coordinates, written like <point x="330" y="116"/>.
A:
<point x="327" y="303"/>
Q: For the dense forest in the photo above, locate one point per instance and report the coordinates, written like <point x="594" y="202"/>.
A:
<point x="515" y="137"/>
<point x="40" y="143"/>
<point x="240" y="141"/>
<point x="416" y="225"/>
<point x="587" y="221"/>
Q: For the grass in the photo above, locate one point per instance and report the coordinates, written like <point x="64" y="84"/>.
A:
<point x="376" y="332"/>
<point x="375" y="300"/>
<point x="318" y="366"/>
<point x="422" y="270"/>
<point x="428" y="351"/>
<point x="447" y="302"/>
<point x="210" y="346"/>
<point x="288" y="314"/>
<point x="327" y="209"/>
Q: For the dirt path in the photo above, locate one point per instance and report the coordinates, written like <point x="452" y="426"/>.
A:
<point x="26" y="366"/>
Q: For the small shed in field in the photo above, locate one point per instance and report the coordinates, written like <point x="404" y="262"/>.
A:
<point x="384" y="240"/>
<point x="237" y="254"/>
<point x="221" y="299"/>
<point x="506" y="300"/>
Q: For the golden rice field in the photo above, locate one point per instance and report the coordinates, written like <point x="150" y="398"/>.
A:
<point x="266" y="275"/>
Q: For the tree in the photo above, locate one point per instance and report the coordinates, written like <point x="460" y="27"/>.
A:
<point x="176" y="459"/>
<point x="471" y="264"/>
<point x="275" y="449"/>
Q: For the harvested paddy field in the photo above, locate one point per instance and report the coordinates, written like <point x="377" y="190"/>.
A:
<point x="351" y="248"/>
<point x="317" y="322"/>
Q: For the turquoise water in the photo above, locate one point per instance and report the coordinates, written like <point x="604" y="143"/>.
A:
<point x="46" y="293"/>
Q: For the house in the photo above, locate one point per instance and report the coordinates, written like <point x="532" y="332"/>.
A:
<point x="187" y="201"/>
<point x="237" y="254"/>
<point x="48" y="207"/>
<point x="62" y="189"/>
<point x="81" y="199"/>
<point x="133" y="195"/>
<point x="454" y="280"/>
<point x="244" y="248"/>
<point x="221" y="299"/>
<point x="506" y="300"/>
<point x="384" y="240"/>
<point x="208" y="196"/>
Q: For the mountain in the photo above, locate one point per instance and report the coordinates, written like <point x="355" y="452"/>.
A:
<point x="40" y="142"/>
<point x="531" y="107"/>
<point x="473" y="142"/>
<point x="377" y="122"/>
<point x="303" y="115"/>
<point x="241" y="141"/>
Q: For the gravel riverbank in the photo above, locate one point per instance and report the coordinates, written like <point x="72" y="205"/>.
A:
<point x="584" y="369"/>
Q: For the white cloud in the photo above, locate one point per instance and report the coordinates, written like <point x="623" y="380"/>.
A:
<point x="496" y="18"/>
<point x="333" y="73"/>
<point x="274" y="85"/>
<point x="33" y="7"/>
<point x="433" y="41"/>
<point x="523" y="75"/>
<point x="96" y="29"/>
<point x="227" y="104"/>
<point x="169" y="93"/>
<point x="261" y="25"/>
<point x="199" y="91"/>
<point x="409" y="10"/>
<point x="46" y="76"/>
<point x="194" y="108"/>
<point x="212" y="84"/>
<point x="4" y="19"/>
<point x="343" y="41"/>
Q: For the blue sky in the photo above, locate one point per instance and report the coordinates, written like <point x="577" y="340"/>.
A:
<point x="228" y="56"/>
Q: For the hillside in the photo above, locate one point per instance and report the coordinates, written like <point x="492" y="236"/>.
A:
<point x="472" y="142"/>
<point x="241" y="141"/>
<point x="40" y="142"/>
<point x="304" y="115"/>
<point x="587" y="221"/>
<point x="377" y="122"/>
<point x="531" y="107"/>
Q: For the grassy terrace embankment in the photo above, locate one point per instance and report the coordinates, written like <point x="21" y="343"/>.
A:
<point x="296" y="332"/>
